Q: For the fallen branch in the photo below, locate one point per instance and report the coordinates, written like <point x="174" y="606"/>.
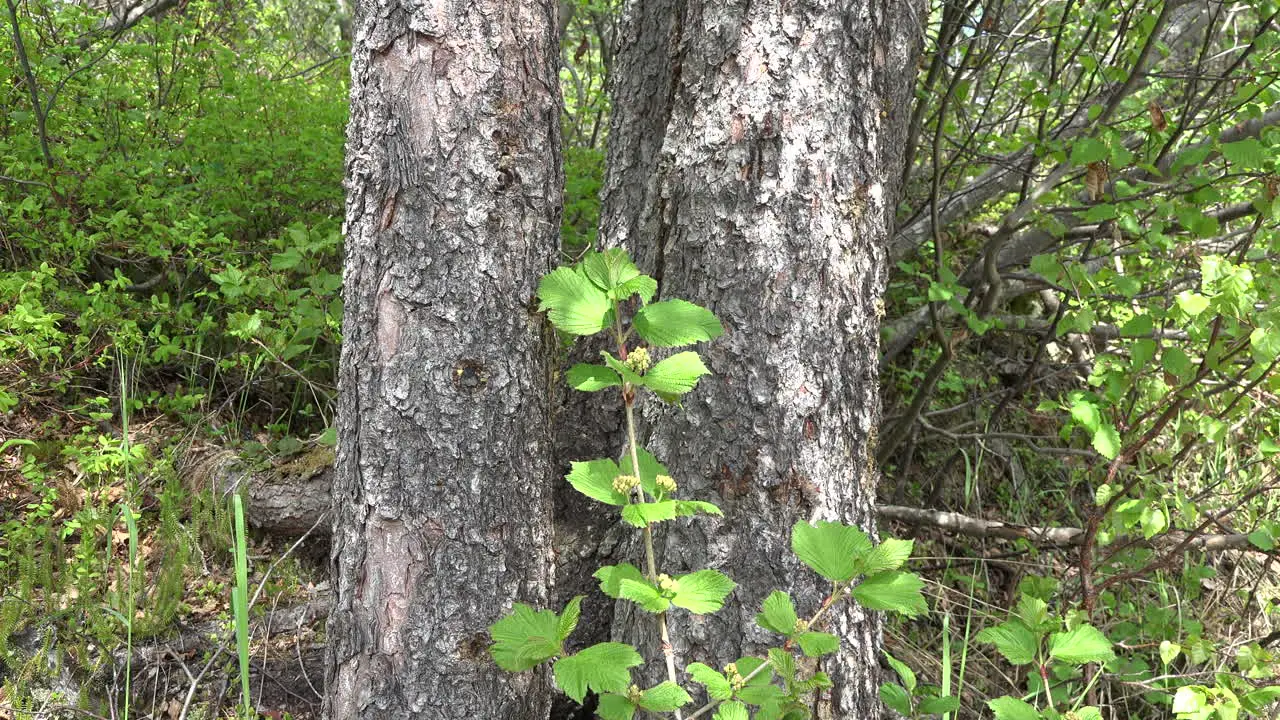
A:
<point x="1053" y="536"/>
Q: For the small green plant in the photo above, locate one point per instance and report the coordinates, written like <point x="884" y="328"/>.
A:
<point x="588" y="298"/>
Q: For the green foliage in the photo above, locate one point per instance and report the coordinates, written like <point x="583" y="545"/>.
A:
<point x="605" y="291"/>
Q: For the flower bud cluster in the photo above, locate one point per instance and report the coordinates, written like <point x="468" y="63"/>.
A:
<point x="666" y="483"/>
<point x="638" y="360"/>
<point x="634" y="694"/>
<point x="667" y="584"/>
<point x="734" y="677"/>
<point x="625" y="483"/>
<point x="802" y="625"/>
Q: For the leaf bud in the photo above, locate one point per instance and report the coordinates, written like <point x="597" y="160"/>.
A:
<point x="638" y="360"/>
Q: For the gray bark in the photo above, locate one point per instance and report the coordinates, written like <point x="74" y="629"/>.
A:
<point x="441" y="487"/>
<point x="767" y="196"/>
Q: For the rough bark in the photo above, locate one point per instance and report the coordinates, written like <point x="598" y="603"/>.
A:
<point x="769" y="200"/>
<point x="441" y="488"/>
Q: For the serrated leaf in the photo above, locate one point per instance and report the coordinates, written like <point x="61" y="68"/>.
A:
<point x="686" y="508"/>
<point x="615" y="707"/>
<point x="643" y="594"/>
<point x="783" y="663"/>
<point x="703" y="591"/>
<point x="569" y="618"/>
<point x="1015" y="641"/>
<point x="1084" y="644"/>
<point x="1169" y="651"/>
<point x="778" y="614"/>
<point x="1192" y="303"/>
<point x="761" y="694"/>
<point x="595" y="480"/>
<point x="1011" y="708"/>
<point x="939" y="705"/>
<point x="591" y="378"/>
<point x="896" y="698"/>
<point x="829" y="548"/>
<point x="677" y="374"/>
<point x="674" y="323"/>
<point x="644" y="286"/>
<point x="575" y="305"/>
<point x="641" y="514"/>
<point x="890" y="554"/>
<point x="609" y="268"/>
<point x="748" y="665"/>
<point x="602" y="668"/>
<point x="718" y="687"/>
<point x="525" y="638"/>
<point x="1247" y="154"/>
<point x="1107" y="441"/>
<point x="817" y="644"/>
<point x="611" y="577"/>
<point x="731" y="711"/>
<point x="665" y="697"/>
<point x="895" y="591"/>
<point x="905" y="673"/>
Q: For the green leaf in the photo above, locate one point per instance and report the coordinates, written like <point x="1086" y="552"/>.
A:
<point x="939" y="705"/>
<point x="643" y="285"/>
<point x="761" y="694"/>
<point x="783" y="663"/>
<point x="905" y="673"/>
<point x="896" y="698"/>
<point x="778" y="614"/>
<point x="576" y="306"/>
<point x="615" y="707"/>
<point x="890" y="554"/>
<point x="569" y="618"/>
<point x="602" y="668"/>
<point x="1247" y="154"/>
<point x="610" y="268"/>
<point x="731" y="711"/>
<point x="1011" y="708"/>
<point x="829" y="548"/>
<point x="674" y="323"/>
<point x="718" y="687"/>
<point x="1087" y="414"/>
<point x="677" y="374"/>
<point x="643" y="594"/>
<point x="1192" y="303"/>
<point x="1262" y="539"/>
<point x="664" y="698"/>
<point x="641" y="514"/>
<point x="1107" y="441"/>
<point x="817" y="644"/>
<point x="650" y="468"/>
<point x="686" y="508"/>
<point x="703" y="591"/>
<point x="1015" y="641"/>
<point x="1084" y="644"/>
<point x="1087" y="150"/>
<point x="611" y="577"/>
<point x="595" y="480"/>
<point x="590" y="378"/>
<point x="1169" y="651"/>
<point x="525" y="638"/>
<point x="892" y="590"/>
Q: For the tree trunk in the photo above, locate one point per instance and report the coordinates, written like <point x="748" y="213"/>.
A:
<point x="442" y="484"/>
<point x="768" y="200"/>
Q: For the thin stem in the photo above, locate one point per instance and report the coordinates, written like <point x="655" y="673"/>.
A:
<point x="629" y="396"/>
